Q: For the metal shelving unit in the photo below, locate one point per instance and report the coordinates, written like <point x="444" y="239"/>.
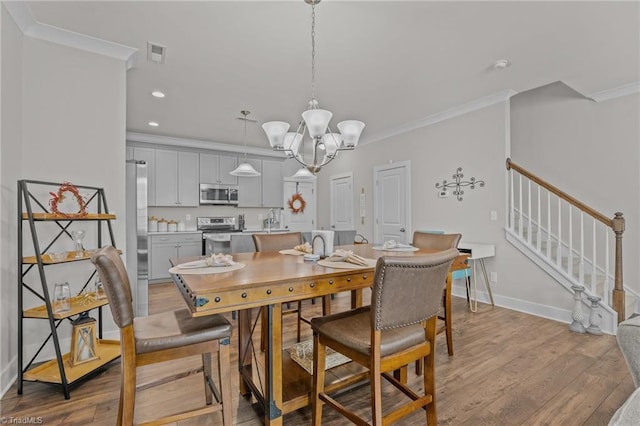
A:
<point x="58" y="371"/>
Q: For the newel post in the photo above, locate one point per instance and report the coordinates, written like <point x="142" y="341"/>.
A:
<point x="618" y="289"/>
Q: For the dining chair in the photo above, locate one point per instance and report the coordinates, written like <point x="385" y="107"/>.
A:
<point x="439" y="241"/>
<point x="277" y="242"/>
<point x="163" y="337"/>
<point x="397" y="328"/>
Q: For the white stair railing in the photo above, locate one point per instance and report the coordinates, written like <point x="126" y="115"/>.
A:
<point x="583" y="257"/>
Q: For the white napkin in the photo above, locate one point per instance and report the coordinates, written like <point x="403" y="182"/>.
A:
<point x="214" y="260"/>
<point x="394" y="244"/>
<point x="347" y="256"/>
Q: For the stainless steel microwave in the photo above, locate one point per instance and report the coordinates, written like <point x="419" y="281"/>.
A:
<point x="218" y="194"/>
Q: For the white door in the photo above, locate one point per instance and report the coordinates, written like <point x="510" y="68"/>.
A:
<point x="392" y="198"/>
<point x="342" y="202"/>
<point x="293" y="218"/>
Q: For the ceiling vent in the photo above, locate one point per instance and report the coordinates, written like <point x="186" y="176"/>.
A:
<point x="156" y="52"/>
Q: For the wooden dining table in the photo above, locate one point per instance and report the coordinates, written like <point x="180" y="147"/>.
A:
<point x="268" y="280"/>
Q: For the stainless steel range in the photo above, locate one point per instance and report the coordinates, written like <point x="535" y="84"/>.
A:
<point x="216" y="233"/>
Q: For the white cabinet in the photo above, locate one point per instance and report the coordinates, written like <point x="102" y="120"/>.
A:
<point x="216" y="169"/>
<point x="162" y="247"/>
<point x="262" y="191"/>
<point x="177" y="178"/>
<point x="148" y="155"/>
<point x="272" y="184"/>
<point x="250" y="188"/>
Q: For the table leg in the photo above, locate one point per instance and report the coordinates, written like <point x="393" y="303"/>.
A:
<point x="356" y="298"/>
<point x="273" y="391"/>
<point x="245" y="356"/>
<point x="486" y="281"/>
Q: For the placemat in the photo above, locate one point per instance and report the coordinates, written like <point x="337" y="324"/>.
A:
<point x="395" y="248"/>
<point x="302" y="354"/>
<point x="207" y="270"/>
<point x="346" y="265"/>
<point x="292" y="252"/>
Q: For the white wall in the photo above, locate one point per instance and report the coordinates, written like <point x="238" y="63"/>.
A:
<point x="10" y="165"/>
<point x="589" y="150"/>
<point x="477" y="142"/>
<point x="73" y="129"/>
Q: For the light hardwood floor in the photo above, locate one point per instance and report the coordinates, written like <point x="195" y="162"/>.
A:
<point x="508" y="369"/>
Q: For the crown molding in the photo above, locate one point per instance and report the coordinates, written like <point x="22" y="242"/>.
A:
<point x="616" y="92"/>
<point x="468" y="107"/>
<point x="21" y="14"/>
<point x="201" y="144"/>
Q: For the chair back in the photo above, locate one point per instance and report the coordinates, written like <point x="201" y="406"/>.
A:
<point x="242" y="243"/>
<point x="277" y="241"/>
<point x="344" y="238"/>
<point x="428" y="240"/>
<point x="408" y="290"/>
<point x="113" y="275"/>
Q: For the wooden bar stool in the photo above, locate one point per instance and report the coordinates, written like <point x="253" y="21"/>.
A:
<point x="398" y="328"/>
<point x="164" y="337"/>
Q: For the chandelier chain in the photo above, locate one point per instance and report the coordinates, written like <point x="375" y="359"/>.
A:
<point x="313" y="52"/>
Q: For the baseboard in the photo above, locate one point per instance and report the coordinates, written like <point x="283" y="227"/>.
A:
<point x="8" y="376"/>
<point x="544" y="311"/>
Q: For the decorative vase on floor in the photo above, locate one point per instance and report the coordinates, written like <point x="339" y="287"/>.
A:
<point x="577" y="315"/>
<point x="594" y="316"/>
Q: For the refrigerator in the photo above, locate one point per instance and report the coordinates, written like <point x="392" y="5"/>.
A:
<point x="137" y="250"/>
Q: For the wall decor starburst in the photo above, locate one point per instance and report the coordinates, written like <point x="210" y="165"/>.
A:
<point x="458" y="184"/>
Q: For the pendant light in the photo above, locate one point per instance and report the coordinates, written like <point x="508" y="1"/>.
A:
<point x="245" y="169"/>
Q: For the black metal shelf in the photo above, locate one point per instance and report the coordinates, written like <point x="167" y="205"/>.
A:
<point x="57" y="371"/>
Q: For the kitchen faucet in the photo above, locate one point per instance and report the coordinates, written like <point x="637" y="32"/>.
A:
<point x="271" y="217"/>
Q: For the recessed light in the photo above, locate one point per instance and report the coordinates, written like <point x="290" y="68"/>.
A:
<point x="153" y="124"/>
<point x="158" y="94"/>
<point x="501" y="64"/>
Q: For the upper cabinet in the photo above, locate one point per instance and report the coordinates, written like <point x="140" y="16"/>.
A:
<point x="216" y="169"/>
<point x="265" y="190"/>
<point x="176" y="178"/>
<point x="272" y="184"/>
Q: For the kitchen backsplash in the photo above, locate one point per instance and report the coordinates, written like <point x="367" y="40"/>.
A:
<point x="253" y="216"/>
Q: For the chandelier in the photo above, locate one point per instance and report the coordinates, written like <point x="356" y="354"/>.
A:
<point x="324" y="144"/>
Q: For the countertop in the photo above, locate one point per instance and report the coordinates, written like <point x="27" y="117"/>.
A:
<point x="174" y="232"/>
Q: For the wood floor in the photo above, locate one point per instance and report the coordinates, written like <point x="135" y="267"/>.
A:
<point x="508" y="369"/>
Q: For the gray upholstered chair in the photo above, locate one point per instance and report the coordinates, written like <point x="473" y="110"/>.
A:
<point x="433" y="241"/>
<point x="399" y="327"/>
<point x="242" y="243"/>
<point x="344" y="238"/>
<point x="164" y="337"/>
<point x="629" y="341"/>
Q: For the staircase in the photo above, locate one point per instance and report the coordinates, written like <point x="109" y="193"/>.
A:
<point x="574" y="244"/>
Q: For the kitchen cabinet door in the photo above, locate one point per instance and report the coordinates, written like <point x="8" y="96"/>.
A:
<point x="166" y="178"/>
<point x="190" y="249"/>
<point x="250" y="188"/>
<point x="216" y="168"/>
<point x="272" y="184"/>
<point x="188" y="179"/>
<point x="159" y="256"/>
<point x="177" y="178"/>
<point x="227" y="164"/>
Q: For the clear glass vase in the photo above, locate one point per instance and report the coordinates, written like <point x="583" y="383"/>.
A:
<point x="78" y="238"/>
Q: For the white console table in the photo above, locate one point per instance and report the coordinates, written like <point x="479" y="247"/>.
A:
<point x="478" y="252"/>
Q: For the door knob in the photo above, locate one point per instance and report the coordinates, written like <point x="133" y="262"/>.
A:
<point x="401" y="229"/>
<point x="333" y="226"/>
